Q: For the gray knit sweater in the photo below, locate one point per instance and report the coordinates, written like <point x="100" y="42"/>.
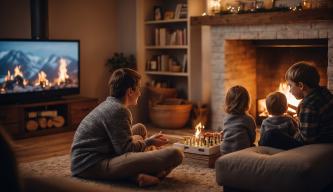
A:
<point x="238" y="133"/>
<point x="103" y="133"/>
<point x="284" y="123"/>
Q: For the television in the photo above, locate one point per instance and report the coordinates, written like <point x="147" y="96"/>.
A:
<point x="37" y="70"/>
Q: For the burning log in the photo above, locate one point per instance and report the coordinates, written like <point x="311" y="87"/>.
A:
<point x="292" y="110"/>
<point x="292" y="106"/>
<point x="9" y="85"/>
<point x="19" y="81"/>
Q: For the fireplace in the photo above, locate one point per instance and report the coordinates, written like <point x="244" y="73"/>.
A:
<point x="274" y="57"/>
<point x="257" y="54"/>
<point x="260" y="65"/>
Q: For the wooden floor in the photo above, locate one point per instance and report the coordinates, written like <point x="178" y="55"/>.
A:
<point x="42" y="147"/>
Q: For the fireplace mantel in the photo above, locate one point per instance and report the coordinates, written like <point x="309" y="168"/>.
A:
<point x="265" y="18"/>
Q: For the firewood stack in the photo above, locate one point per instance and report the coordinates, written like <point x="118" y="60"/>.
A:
<point x="44" y="120"/>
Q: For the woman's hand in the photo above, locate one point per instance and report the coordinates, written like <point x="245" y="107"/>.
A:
<point x="158" y="139"/>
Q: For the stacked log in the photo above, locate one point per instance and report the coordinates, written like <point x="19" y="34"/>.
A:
<point x="44" y="120"/>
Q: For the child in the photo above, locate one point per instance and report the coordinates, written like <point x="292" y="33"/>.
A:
<point x="238" y="126"/>
<point x="277" y="106"/>
<point x="315" y="112"/>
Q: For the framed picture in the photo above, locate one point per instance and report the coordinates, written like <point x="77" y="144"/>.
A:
<point x="158" y="13"/>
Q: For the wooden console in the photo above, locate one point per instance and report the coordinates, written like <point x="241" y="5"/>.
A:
<point x="42" y="118"/>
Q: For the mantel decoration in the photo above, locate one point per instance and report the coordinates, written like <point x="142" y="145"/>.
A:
<point x="119" y="60"/>
<point x="221" y="7"/>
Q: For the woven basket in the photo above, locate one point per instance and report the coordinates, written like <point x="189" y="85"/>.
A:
<point x="161" y="92"/>
<point x="170" y="116"/>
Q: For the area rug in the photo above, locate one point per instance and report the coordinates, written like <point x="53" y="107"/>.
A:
<point x="189" y="176"/>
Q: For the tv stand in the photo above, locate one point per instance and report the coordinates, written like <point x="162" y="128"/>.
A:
<point x="46" y="117"/>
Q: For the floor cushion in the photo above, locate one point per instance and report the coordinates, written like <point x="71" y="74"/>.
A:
<point x="306" y="168"/>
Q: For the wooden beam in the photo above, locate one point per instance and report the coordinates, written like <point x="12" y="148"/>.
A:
<point x="265" y="18"/>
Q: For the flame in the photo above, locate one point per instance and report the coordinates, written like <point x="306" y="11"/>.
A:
<point x="283" y="88"/>
<point x="17" y="71"/>
<point x="214" y="5"/>
<point x="42" y="80"/>
<point x="62" y="71"/>
<point x="262" y="108"/>
<point x="15" y="78"/>
<point x="198" y="128"/>
<point x="8" y="77"/>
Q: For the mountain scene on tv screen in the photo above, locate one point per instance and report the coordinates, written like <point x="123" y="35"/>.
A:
<point x="26" y="72"/>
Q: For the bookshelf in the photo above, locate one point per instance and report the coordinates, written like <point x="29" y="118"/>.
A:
<point x="166" y="55"/>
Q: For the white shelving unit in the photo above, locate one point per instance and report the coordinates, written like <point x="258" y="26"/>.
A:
<point x="163" y="44"/>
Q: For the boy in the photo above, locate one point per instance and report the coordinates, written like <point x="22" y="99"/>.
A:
<point x="277" y="106"/>
<point x="106" y="146"/>
<point x="315" y="112"/>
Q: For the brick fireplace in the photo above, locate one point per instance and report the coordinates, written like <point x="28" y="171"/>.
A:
<point x="256" y="55"/>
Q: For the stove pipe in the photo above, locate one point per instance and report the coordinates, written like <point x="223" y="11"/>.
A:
<point x="39" y="19"/>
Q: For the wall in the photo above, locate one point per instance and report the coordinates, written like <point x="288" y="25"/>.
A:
<point x="92" y="22"/>
<point x="126" y="26"/>
<point x="126" y="43"/>
<point x="15" y="19"/>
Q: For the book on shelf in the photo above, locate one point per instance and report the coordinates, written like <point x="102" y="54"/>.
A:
<point x="157" y="36"/>
<point x="181" y="11"/>
<point x="177" y="11"/>
<point x="184" y="63"/>
<point x="185" y="36"/>
<point x="164" y="36"/>
<point x="167" y="63"/>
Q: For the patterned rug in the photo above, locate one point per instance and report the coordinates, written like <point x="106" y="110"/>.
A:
<point x="189" y="176"/>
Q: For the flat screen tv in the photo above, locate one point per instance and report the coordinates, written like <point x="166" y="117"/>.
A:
<point x="36" y="70"/>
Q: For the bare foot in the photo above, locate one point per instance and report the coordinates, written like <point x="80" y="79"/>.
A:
<point x="145" y="180"/>
<point x="163" y="174"/>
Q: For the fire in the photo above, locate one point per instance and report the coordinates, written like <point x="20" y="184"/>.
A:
<point x="62" y="72"/>
<point x="8" y="77"/>
<point x="16" y="82"/>
<point x="292" y="101"/>
<point x="198" y="128"/>
<point x="284" y="88"/>
<point x="42" y="80"/>
<point x="200" y="139"/>
<point x="17" y="71"/>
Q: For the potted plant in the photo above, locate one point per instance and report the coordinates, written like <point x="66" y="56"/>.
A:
<point x="119" y="60"/>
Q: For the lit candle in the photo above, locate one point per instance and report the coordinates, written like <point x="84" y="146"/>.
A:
<point x="215" y="6"/>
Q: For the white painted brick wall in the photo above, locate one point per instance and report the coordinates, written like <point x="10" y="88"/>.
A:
<point x="221" y="55"/>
